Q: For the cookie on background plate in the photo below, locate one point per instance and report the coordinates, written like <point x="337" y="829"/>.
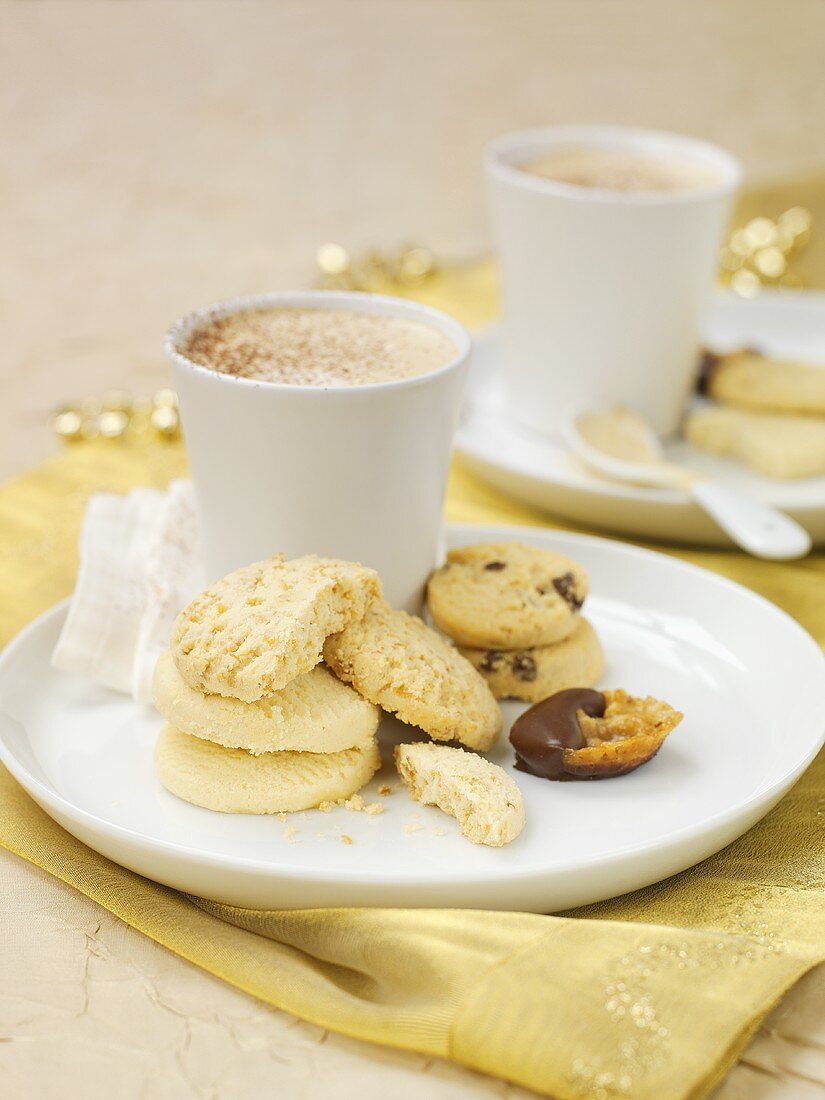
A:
<point x="233" y="781"/>
<point x="778" y="446"/>
<point x="506" y="595"/>
<point x="252" y="632"/>
<point x="749" y="380"/>
<point x="315" y="712"/>
<point x="397" y="661"/>
<point x="534" y="674"/>
<point x="481" y="796"/>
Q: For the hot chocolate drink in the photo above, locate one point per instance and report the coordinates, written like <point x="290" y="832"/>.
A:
<point x="620" y="170"/>
<point x="318" y="347"/>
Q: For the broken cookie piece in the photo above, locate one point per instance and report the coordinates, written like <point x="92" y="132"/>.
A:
<point x="481" y="796"/>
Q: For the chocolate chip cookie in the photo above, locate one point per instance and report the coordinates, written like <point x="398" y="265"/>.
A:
<point x="507" y="595"/>
<point x="533" y="674"/>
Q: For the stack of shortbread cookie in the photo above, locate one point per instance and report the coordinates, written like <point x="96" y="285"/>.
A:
<point x="514" y="612"/>
<point x="258" y="724"/>
<point x="255" y="723"/>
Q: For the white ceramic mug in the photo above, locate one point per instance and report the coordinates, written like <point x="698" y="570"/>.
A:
<point x="355" y="472"/>
<point x="603" y="291"/>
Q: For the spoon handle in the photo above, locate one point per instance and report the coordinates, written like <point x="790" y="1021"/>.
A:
<point x="756" y="527"/>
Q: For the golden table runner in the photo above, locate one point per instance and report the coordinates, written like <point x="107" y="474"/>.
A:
<point x="650" y="996"/>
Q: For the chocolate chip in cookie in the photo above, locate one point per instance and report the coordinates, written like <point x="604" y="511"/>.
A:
<point x="565" y="585"/>
<point x="491" y="660"/>
<point x="524" y="667"/>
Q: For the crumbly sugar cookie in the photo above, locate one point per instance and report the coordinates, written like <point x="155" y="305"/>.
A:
<point x="397" y="661"/>
<point x="252" y="632"/>
<point x="533" y="674"/>
<point x="233" y="781"/>
<point x="506" y="595"/>
<point x="779" y="446"/>
<point x="315" y="712"/>
<point x="481" y="796"/>
<point x="749" y="380"/>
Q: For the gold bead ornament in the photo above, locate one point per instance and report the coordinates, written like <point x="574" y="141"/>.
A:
<point x="760" y="253"/>
<point x="112" y="423"/>
<point x="116" y="414"/>
<point x="332" y="260"/>
<point x="68" y="424"/>
<point x="372" y="270"/>
<point x="165" y="420"/>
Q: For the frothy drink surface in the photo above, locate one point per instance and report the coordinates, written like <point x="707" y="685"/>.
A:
<point x="319" y="347"/>
<point x="619" y="170"/>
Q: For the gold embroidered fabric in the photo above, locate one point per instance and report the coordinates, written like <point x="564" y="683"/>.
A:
<point x="650" y="996"/>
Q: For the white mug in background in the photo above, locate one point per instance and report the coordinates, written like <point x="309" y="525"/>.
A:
<point x="603" y="290"/>
<point x="355" y="472"/>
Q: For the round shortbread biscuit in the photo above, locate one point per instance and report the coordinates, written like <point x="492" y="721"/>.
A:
<point x="535" y="674"/>
<point x="480" y="795"/>
<point x="252" y="632"/>
<point x="397" y="661"/>
<point x="235" y="782"/>
<point x="315" y="712"/>
<point x="506" y="595"/>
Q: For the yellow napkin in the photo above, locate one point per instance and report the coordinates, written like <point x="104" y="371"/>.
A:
<point x="650" y="996"/>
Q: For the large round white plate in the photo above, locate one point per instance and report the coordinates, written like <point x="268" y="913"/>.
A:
<point x="540" y="471"/>
<point x="750" y="681"/>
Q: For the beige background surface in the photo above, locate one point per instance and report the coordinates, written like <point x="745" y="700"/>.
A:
<point x="162" y="155"/>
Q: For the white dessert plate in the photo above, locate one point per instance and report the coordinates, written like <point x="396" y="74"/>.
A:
<point x="750" y="681"/>
<point x="541" y="472"/>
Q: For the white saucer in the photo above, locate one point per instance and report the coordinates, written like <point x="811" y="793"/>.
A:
<point x="540" y="471"/>
<point x="750" y="681"/>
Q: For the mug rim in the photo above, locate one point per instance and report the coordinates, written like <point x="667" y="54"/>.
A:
<point x="355" y="301"/>
<point x="499" y="157"/>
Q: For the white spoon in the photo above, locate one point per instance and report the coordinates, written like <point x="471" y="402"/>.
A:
<point x="621" y="446"/>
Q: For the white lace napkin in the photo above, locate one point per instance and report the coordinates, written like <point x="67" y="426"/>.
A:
<point x="139" y="565"/>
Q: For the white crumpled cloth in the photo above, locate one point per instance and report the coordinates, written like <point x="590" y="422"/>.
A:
<point x="139" y="565"/>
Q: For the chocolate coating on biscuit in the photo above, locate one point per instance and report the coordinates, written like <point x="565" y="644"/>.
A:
<point x="541" y="735"/>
